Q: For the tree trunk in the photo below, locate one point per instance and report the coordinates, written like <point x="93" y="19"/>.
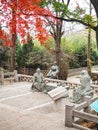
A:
<point x="12" y="59"/>
<point x="96" y="31"/>
<point x="57" y="50"/>
<point x="89" y="46"/>
<point x="95" y="5"/>
<point x="61" y="62"/>
<point x="12" y="47"/>
<point x="57" y="37"/>
<point x="89" y="53"/>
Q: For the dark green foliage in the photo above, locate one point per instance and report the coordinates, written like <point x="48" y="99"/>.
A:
<point x="4" y="55"/>
<point x="23" y="53"/>
<point x="33" y="55"/>
<point x="40" y="57"/>
<point x="95" y="57"/>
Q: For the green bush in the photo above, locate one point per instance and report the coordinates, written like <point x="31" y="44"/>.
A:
<point x="76" y="48"/>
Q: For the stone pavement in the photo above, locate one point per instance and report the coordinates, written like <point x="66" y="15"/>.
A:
<point x="20" y="109"/>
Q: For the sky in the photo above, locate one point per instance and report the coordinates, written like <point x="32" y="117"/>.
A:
<point x="75" y="27"/>
<point x="82" y="3"/>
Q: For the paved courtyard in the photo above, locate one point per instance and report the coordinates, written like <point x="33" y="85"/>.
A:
<point x="22" y="109"/>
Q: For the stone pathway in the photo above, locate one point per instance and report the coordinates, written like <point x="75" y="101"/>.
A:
<point x="22" y="109"/>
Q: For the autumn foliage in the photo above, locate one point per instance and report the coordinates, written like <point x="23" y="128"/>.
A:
<point x="21" y="16"/>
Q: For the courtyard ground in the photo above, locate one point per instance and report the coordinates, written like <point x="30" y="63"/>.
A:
<point x="22" y="109"/>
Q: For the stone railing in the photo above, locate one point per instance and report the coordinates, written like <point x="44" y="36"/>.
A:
<point x="28" y="78"/>
<point x="8" y="76"/>
<point x="77" y="71"/>
<point x="82" y="111"/>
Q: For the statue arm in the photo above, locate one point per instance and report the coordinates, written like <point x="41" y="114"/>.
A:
<point x="57" y="70"/>
<point x="42" y="77"/>
<point x="49" y="72"/>
<point x="34" y="78"/>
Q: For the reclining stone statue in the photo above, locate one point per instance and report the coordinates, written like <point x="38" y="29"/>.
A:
<point x="84" y="88"/>
<point x="53" y="73"/>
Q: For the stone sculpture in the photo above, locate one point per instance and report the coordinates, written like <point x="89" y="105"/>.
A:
<point x="38" y="81"/>
<point x="53" y="73"/>
<point x="84" y="87"/>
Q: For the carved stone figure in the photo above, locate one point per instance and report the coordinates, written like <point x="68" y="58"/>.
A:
<point x="85" y="82"/>
<point x="38" y="81"/>
<point x="84" y="87"/>
<point x="53" y="73"/>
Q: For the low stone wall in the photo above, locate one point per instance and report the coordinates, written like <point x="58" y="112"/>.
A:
<point x="77" y="71"/>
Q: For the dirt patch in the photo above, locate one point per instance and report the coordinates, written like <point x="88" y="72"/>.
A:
<point x="87" y="124"/>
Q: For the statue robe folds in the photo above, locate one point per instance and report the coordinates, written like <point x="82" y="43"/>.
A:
<point x="84" y="87"/>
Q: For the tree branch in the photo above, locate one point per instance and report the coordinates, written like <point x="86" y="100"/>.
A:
<point x="68" y="2"/>
<point x="63" y="1"/>
<point x="78" y="21"/>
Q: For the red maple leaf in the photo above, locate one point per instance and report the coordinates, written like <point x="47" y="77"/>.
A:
<point x="19" y="15"/>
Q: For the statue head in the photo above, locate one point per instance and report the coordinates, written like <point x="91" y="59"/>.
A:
<point x="84" y="72"/>
<point x="38" y="70"/>
<point x="55" y="63"/>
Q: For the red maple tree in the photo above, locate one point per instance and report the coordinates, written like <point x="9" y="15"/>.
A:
<point x="18" y="16"/>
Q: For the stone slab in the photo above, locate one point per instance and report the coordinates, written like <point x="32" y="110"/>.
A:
<point x="57" y="93"/>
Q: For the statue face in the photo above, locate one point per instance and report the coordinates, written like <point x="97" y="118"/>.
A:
<point x="55" y="62"/>
<point x="38" y="70"/>
<point x="83" y="72"/>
